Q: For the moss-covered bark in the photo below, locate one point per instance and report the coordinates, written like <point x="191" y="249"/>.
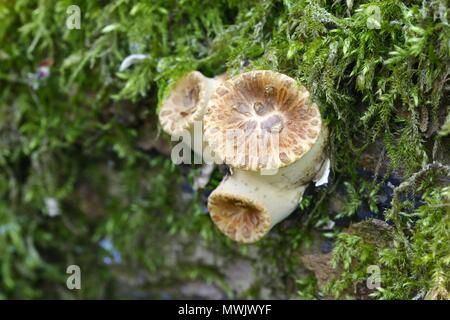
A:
<point x="85" y="178"/>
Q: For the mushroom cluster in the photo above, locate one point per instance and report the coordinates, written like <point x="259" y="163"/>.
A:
<point x="186" y="105"/>
<point x="265" y="127"/>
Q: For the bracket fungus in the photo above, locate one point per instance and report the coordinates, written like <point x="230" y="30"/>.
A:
<point x="185" y="106"/>
<point x="266" y="128"/>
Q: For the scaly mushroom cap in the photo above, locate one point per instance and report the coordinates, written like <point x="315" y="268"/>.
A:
<point x="185" y="104"/>
<point x="262" y="104"/>
<point x="238" y="217"/>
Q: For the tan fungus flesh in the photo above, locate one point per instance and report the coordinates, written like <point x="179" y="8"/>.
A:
<point x="184" y="105"/>
<point x="262" y="104"/>
<point x="239" y="218"/>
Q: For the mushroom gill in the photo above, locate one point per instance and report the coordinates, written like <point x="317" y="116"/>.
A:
<point x="239" y="218"/>
<point x="186" y="103"/>
<point x="263" y="105"/>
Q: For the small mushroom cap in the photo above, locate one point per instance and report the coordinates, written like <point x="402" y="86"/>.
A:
<point x="185" y="104"/>
<point x="268" y="108"/>
<point x="239" y="218"/>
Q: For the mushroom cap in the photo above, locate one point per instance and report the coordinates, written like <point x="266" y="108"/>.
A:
<point x="185" y="104"/>
<point x="239" y="218"/>
<point x="264" y="105"/>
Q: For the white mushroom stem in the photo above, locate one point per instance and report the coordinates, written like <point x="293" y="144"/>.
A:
<point x="266" y="127"/>
<point x="246" y="198"/>
<point x="247" y="204"/>
<point x="304" y="170"/>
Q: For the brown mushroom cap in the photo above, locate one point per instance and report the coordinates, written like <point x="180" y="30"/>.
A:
<point x="239" y="218"/>
<point x="185" y="104"/>
<point x="262" y="103"/>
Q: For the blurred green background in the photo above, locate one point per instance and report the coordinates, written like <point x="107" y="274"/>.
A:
<point x="86" y="177"/>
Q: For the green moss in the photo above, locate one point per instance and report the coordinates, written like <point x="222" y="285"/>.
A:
<point x="413" y="264"/>
<point x="76" y="136"/>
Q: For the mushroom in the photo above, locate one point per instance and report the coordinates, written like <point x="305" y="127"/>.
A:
<point x="267" y="129"/>
<point x="182" y="111"/>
